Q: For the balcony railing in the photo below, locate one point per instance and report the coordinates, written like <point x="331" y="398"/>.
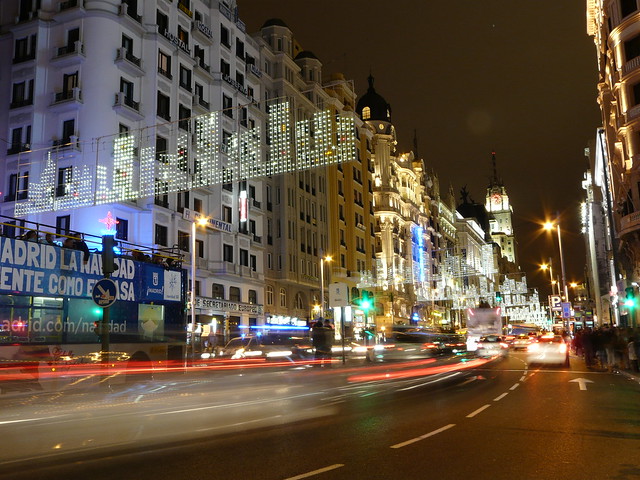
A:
<point x="19" y="148"/>
<point x="122" y="99"/>
<point x="68" y="4"/>
<point x="76" y="47"/>
<point x="21" y="103"/>
<point x="67" y="95"/>
<point x="630" y="223"/>
<point x="127" y="55"/>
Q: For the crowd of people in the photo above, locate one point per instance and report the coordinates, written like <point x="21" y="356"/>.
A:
<point x="607" y="347"/>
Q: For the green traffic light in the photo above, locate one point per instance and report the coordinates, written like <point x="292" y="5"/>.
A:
<point x="629" y="302"/>
<point x="365" y="304"/>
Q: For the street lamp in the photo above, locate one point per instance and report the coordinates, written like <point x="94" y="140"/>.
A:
<point x="550" y="226"/>
<point x="200" y="220"/>
<point x="323" y="259"/>
<point x="549" y="267"/>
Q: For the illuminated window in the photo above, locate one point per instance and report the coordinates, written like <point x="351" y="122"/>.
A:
<point x="283" y="297"/>
<point x="299" y="302"/>
<point x="269" y="294"/>
<point x="366" y="113"/>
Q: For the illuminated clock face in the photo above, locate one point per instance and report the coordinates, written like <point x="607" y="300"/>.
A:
<point x="496" y="198"/>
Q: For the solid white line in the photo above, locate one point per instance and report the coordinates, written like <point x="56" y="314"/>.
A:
<point x="316" y="472"/>
<point x="422" y="437"/>
<point x="515" y="386"/>
<point x="473" y="414"/>
<point x="500" y="397"/>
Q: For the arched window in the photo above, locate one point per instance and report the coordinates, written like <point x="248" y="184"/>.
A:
<point x="366" y="113"/>
<point x="283" y="297"/>
<point x="269" y="292"/>
<point x="217" y="291"/>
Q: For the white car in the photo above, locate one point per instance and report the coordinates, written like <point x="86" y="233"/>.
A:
<point x="491" y="345"/>
<point x="549" y="349"/>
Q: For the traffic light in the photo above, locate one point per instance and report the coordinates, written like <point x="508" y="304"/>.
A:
<point x="630" y="298"/>
<point x="365" y="303"/>
<point x="498" y="297"/>
<point x="108" y="263"/>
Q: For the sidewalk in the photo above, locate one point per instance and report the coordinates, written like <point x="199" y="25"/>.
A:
<point x="635" y="376"/>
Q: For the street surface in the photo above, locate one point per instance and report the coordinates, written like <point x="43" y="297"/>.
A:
<point x="494" y="420"/>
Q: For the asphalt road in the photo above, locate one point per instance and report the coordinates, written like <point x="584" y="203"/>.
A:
<point x="500" y="420"/>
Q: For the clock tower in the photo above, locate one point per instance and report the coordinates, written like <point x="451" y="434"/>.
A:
<point x="500" y="216"/>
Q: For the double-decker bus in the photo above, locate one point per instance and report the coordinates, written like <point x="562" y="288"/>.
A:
<point x="50" y="324"/>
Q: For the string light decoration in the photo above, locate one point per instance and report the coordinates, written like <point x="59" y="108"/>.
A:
<point x="127" y="167"/>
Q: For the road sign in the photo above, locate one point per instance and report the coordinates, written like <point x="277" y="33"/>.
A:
<point x="104" y="292"/>
<point x="339" y="295"/>
<point x="566" y="309"/>
<point x="555" y="301"/>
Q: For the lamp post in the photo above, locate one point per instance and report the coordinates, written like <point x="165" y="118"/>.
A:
<point x="200" y="220"/>
<point x="549" y="226"/>
<point x="322" y="260"/>
<point x="549" y="267"/>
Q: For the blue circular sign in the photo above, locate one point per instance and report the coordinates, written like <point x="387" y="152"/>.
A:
<point x="104" y="292"/>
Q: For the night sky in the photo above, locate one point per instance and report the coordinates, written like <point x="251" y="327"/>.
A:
<point x="518" y="77"/>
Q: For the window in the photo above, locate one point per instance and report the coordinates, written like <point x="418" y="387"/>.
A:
<point x="366" y="113"/>
<point x="299" y="302"/>
<point x="227" y="214"/>
<point x="127" y="44"/>
<point x="161" y="149"/>
<point x="227" y="253"/>
<point x="164" y="106"/>
<point x="163" y="22"/>
<point x="68" y="129"/>
<point x="269" y="295"/>
<point x="234" y="294"/>
<point x="184" y="118"/>
<point x="69" y="82"/>
<point x="18" y="187"/>
<point x="185" y="78"/>
<point x="63" y="225"/>
<point x="253" y="262"/>
<point x="283" y="297"/>
<point x="627" y="7"/>
<point x="161" y="193"/>
<point x="636" y="94"/>
<point x="225" y="68"/>
<point x="122" y="229"/>
<point x="227" y="106"/>
<point x="162" y="235"/>
<point x="197" y="205"/>
<point x="183" y="201"/>
<point x="239" y="48"/>
<point x="126" y="87"/>
<point x="200" y="248"/>
<point x="253" y="296"/>
<point x="183" y="35"/>
<point x="65" y="176"/>
<point x="225" y="38"/>
<point x="183" y="241"/>
<point x="240" y="78"/>
<point x="217" y="291"/>
<point x="164" y="64"/>
<point x="244" y="257"/>
<point x="632" y="48"/>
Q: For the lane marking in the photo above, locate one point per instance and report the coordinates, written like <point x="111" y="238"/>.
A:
<point x="316" y="472"/>
<point x="523" y="378"/>
<point x="500" y="397"/>
<point x="422" y="437"/>
<point x="514" y="386"/>
<point x="481" y="409"/>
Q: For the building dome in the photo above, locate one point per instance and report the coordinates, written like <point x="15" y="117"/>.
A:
<point x="306" y="54"/>
<point x="275" y="22"/>
<point x="373" y="106"/>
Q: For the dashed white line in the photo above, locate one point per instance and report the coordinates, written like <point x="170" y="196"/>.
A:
<point x="473" y="414"/>
<point x="514" y="386"/>
<point x="523" y="378"/>
<point x="316" y="472"/>
<point x="500" y="397"/>
<point x="422" y="437"/>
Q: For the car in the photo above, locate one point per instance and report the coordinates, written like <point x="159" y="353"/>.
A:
<point x="521" y="342"/>
<point x="492" y="345"/>
<point x="406" y="346"/>
<point x="276" y="348"/>
<point x="549" y="349"/>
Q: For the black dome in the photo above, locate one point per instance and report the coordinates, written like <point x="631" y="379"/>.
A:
<point x="277" y="22"/>
<point x="306" y="54"/>
<point x="379" y="109"/>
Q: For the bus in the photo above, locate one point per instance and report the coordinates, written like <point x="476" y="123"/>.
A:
<point x="49" y="322"/>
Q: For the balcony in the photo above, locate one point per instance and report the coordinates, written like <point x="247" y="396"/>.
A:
<point x="26" y="17"/>
<point x="19" y="148"/>
<point x="200" y="105"/>
<point x="127" y="107"/>
<point x="630" y="223"/>
<point x="68" y="55"/>
<point x="70" y="142"/>
<point x="24" y="57"/>
<point x="67" y="100"/>
<point x="69" y="10"/>
<point x="630" y="66"/>
<point x="128" y="14"/>
<point x="257" y="239"/>
<point x="128" y="63"/>
<point x="21" y="103"/>
<point x="202" y="32"/>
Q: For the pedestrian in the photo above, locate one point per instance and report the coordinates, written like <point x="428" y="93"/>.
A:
<point x="30" y="236"/>
<point x="48" y="239"/>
